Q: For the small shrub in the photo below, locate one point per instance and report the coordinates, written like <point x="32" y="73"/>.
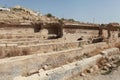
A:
<point x="63" y="19"/>
<point x="49" y="15"/>
<point x="71" y="20"/>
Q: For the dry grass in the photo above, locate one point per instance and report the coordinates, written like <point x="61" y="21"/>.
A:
<point x="13" y="51"/>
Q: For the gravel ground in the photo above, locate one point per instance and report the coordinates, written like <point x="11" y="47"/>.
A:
<point x="114" y="75"/>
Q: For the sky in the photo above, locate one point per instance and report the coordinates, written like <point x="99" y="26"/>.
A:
<point x="97" y="11"/>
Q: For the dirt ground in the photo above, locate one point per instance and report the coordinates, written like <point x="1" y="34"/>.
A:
<point x="114" y="75"/>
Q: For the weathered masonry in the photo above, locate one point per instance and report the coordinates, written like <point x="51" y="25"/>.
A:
<point x="60" y="30"/>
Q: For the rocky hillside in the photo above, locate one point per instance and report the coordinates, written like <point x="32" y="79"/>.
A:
<point x="20" y="14"/>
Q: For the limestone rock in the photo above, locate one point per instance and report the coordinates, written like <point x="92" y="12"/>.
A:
<point x="82" y="74"/>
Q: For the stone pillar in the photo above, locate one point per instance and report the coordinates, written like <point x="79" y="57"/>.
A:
<point x="100" y="32"/>
<point x="60" y="31"/>
<point x="109" y="33"/>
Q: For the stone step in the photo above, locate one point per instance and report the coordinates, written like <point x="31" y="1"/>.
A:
<point x="26" y="41"/>
<point x="67" y="71"/>
<point x="16" y="40"/>
<point x="9" y="50"/>
<point x="50" y="47"/>
<point x="15" y="36"/>
<point x="63" y="72"/>
<point x="25" y="65"/>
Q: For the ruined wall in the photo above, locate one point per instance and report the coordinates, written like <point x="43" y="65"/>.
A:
<point x="75" y="32"/>
<point x="105" y="33"/>
<point x="45" y="30"/>
<point x="54" y="30"/>
<point x="110" y="32"/>
<point x="15" y="29"/>
<point x="59" y="30"/>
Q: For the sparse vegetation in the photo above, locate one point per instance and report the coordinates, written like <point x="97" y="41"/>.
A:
<point x="13" y="51"/>
<point x="71" y="20"/>
<point x="49" y="15"/>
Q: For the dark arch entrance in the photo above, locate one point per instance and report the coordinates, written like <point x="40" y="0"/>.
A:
<point x="37" y="27"/>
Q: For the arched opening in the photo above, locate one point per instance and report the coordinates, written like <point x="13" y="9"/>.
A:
<point x="37" y="27"/>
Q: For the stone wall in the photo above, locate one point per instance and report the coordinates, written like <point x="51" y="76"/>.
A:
<point x="38" y="61"/>
<point x="59" y="30"/>
<point x="16" y="30"/>
<point x="79" y="33"/>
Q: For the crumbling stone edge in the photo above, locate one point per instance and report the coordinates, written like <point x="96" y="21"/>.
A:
<point x="67" y="71"/>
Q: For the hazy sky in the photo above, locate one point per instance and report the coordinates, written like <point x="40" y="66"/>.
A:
<point x="102" y="11"/>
